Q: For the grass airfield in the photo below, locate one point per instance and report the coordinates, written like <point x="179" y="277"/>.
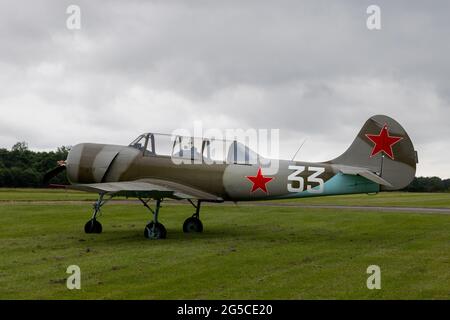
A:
<point x="245" y="252"/>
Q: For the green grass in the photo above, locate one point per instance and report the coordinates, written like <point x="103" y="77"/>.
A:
<point x="396" y="199"/>
<point x="244" y="253"/>
<point x="23" y="194"/>
<point x="387" y="199"/>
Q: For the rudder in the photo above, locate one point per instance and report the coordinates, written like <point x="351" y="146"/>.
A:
<point x="383" y="147"/>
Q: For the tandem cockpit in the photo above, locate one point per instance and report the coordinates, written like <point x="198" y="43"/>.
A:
<point x="196" y="150"/>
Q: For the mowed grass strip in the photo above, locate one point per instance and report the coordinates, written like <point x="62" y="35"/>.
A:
<point x="44" y="194"/>
<point x="395" y="199"/>
<point x="383" y="199"/>
<point x="244" y="253"/>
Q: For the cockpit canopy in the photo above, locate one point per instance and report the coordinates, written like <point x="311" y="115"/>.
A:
<point x="193" y="148"/>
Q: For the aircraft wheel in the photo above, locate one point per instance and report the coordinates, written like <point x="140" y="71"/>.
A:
<point x="192" y="224"/>
<point x="159" y="232"/>
<point x="93" y="226"/>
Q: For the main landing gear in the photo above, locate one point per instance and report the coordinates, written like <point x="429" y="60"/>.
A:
<point x="193" y="224"/>
<point x="93" y="225"/>
<point x="154" y="230"/>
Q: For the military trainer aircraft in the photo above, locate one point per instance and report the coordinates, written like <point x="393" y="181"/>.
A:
<point x="382" y="157"/>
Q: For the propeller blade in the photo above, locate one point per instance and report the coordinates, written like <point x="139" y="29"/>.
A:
<point x="52" y="173"/>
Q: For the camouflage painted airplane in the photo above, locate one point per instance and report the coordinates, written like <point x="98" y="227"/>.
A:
<point x="382" y="157"/>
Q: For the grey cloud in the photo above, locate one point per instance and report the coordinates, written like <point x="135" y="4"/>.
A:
<point x="310" y="68"/>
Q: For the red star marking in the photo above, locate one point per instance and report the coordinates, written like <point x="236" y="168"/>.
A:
<point x="259" y="181"/>
<point x="383" y="142"/>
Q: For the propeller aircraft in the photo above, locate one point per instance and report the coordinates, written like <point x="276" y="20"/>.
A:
<point x="381" y="157"/>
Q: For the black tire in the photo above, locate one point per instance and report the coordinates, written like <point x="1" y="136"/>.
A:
<point x="159" y="232"/>
<point x="93" y="226"/>
<point x="192" y="224"/>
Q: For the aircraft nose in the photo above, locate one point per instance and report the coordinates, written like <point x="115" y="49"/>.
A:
<point x="88" y="162"/>
<point x="73" y="162"/>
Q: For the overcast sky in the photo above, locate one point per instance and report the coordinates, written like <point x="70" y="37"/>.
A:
<point x="310" y="68"/>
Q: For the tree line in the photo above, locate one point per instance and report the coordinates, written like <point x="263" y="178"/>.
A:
<point x="429" y="184"/>
<point x="24" y="168"/>
<point x="21" y="167"/>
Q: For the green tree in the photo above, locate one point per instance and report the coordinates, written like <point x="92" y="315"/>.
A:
<point x="21" y="167"/>
<point x="20" y="146"/>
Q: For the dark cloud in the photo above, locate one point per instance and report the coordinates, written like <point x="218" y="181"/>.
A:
<point x="310" y="68"/>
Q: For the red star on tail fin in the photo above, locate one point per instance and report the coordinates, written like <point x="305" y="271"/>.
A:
<point x="383" y="142"/>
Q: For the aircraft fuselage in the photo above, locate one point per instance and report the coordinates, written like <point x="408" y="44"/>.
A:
<point x="96" y="163"/>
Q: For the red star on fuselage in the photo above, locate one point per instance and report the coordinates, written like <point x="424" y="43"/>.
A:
<point x="383" y="142"/>
<point x="259" y="181"/>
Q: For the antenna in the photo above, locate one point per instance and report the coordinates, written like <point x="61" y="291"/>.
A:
<point x="295" y="154"/>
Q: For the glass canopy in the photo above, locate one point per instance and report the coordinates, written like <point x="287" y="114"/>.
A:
<point x="200" y="150"/>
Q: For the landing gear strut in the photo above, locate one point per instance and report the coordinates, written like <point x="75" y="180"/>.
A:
<point x="193" y="224"/>
<point x="94" y="226"/>
<point x="154" y="230"/>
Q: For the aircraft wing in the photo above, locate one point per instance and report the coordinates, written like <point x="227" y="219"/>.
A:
<point x="146" y="188"/>
<point x="363" y="172"/>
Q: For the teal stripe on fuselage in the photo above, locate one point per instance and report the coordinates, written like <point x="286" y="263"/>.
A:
<point x="340" y="184"/>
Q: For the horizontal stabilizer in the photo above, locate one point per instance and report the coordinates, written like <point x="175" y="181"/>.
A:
<point x="363" y="172"/>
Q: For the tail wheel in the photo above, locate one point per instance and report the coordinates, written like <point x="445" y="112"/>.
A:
<point x="192" y="224"/>
<point x="154" y="232"/>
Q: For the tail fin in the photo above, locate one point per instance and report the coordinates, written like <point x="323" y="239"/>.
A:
<point x="383" y="147"/>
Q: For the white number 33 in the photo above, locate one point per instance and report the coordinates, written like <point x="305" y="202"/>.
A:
<point x="313" y="178"/>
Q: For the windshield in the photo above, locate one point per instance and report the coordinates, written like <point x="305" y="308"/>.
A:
<point x="140" y="142"/>
<point x="193" y="148"/>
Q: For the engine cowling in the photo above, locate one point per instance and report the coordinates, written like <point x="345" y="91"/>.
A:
<point x="89" y="162"/>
